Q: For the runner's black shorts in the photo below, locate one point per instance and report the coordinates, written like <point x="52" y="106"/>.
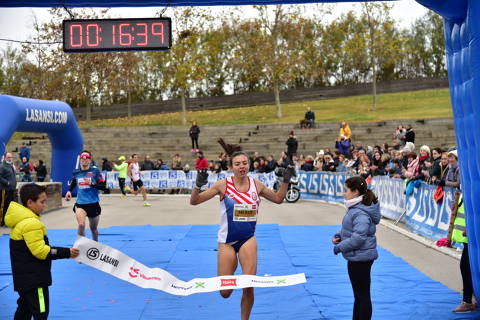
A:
<point x="92" y="209"/>
<point x="137" y="184"/>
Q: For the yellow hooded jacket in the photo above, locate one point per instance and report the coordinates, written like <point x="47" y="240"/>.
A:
<point x="30" y="252"/>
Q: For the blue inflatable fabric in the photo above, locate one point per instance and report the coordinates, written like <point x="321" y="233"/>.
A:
<point x="79" y="292"/>
<point x="462" y="39"/>
<point x="53" y="117"/>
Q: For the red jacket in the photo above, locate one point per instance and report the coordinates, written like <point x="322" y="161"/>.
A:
<point x="202" y="163"/>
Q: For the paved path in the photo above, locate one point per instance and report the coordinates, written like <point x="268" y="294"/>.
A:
<point x="176" y="210"/>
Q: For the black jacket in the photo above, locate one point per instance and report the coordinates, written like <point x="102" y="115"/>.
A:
<point x="194" y="131"/>
<point x="7" y="177"/>
<point x="310" y="115"/>
<point x="292" y="145"/>
<point x="410" y="136"/>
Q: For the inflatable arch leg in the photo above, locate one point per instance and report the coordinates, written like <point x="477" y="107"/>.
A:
<point x="53" y="117"/>
<point x="462" y="40"/>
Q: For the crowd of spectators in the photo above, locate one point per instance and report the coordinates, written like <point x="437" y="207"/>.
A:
<point x="398" y="160"/>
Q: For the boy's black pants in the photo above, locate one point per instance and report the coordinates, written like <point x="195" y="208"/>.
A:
<point x="33" y="303"/>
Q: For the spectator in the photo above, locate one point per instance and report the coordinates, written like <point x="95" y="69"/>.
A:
<point x="106" y="165"/>
<point x="194" y="132"/>
<point x="412" y="167"/>
<point x="345" y="132"/>
<point x="41" y="170"/>
<point x="211" y="165"/>
<point x="432" y="171"/>
<point x="409" y="134"/>
<point x="271" y="164"/>
<point x="24" y="151"/>
<point x="452" y="178"/>
<point x="308" y="164"/>
<point x="319" y="160"/>
<point x="399" y="135"/>
<point x="377" y="167"/>
<point x="396" y="171"/>
<point x="147" y="164"/>
<point x="342" y="166"/>
<point x="160" y="165"/>
<point x="261" y="165"/>
<point x="292" y="145"/>
<point x="343" y="145"/>
<point x="177" y="162"/>
<point x="8" y="184"/>
<point x="423" y="162"/>
<point x="459" y="235"/>
<point x="201" y="162"/>
<point x="223" y="161"/>
<point x="364" y="170"/>
<point x="329" y="164"/>
<point x="443" y="168"/>
<point x="310" y="117"/>
<point x="26" y="169"/>
<point x="284" y="161"/>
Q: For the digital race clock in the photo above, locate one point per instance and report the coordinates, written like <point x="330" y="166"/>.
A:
<point x="117" y="34"/>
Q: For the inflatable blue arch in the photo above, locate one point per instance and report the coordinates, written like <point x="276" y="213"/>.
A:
<point x="53" y="117"/>
<point x="462" y="35"/>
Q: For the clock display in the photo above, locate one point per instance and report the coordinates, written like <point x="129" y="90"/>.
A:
<point x="117" y="34"/>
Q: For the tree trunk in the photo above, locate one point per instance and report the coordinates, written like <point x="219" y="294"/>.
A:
<point x="374" y="85"/>
<point x="129" y="104"/>
<point x="184" y="107"/>
<point x="89" y="112"/>
<point x="87" y="105"/>
<point x="276" y="91"/>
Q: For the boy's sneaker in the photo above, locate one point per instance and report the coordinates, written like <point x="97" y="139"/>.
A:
<point x="146" y="204"/>
<point x="465" y="307"/>
<point x="123" y="196"/>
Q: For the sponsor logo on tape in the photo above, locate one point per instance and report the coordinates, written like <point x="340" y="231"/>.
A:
<point x="229" y="282"/>
<point x="93" y="253"/>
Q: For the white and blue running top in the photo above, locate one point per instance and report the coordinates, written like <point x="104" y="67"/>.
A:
<point x="238" y="212"/>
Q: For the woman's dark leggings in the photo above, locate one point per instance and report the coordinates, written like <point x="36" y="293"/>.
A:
<point x="194" y="142"/>
<point x="466" y="275"/>
<point x="121" y="183"/>
<point x="359" y="273"/>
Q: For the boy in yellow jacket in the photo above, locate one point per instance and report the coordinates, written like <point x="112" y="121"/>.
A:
<point x="30" y="253"/>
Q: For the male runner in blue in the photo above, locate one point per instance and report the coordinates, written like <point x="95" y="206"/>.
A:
<point x="89" y="180"/>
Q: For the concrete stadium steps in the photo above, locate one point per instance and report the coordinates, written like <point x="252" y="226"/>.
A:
<point x="164" y="141"/>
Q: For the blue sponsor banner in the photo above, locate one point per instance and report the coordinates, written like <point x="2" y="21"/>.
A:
<point x="390" y="193"/>
<point x="424" y="216"/>
<point x="177" y="179"/>
<point x="322" y="185"/>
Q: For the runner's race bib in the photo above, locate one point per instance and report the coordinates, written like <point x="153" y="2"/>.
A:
<point x="245" y="212"/>
<point x="84" y="183"/>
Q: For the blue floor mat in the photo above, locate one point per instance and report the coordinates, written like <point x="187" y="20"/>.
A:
<point x="399" y="291"/>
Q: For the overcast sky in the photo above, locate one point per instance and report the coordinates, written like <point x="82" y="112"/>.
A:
<point x="15" y="23"/>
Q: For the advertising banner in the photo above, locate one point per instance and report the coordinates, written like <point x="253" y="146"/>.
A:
<point x="390" y="193"/>
<point x="119" y="265"/>
<point x="322" y="185"/>
<point x="177" y="179"/>
<point x="426" y="217"/>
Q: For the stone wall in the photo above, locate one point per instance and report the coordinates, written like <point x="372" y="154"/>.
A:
<point x="54" y="194"/>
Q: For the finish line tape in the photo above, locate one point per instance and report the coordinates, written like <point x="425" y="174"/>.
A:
<point x="118" y="264"/>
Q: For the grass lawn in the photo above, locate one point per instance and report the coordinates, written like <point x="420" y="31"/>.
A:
<point x="404" y="105"/>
